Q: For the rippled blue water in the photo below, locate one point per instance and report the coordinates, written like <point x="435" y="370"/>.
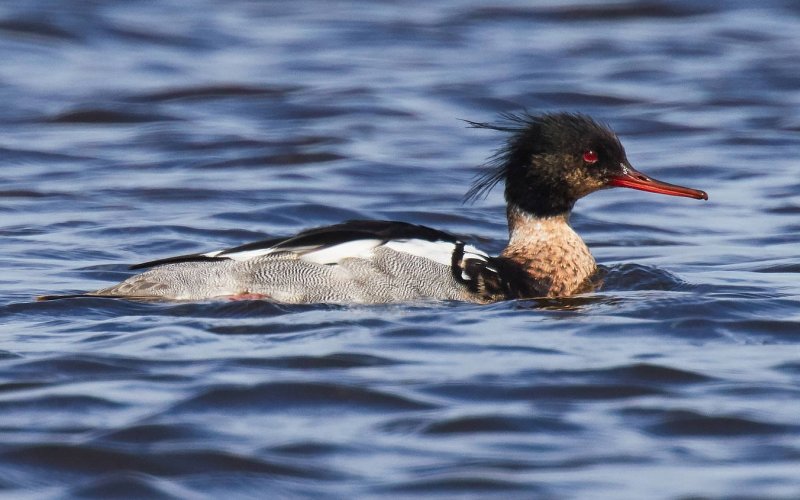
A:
<point x="136" y="130"/>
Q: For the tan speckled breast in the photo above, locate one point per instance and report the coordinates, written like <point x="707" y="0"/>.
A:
<point x="550" y="251"/>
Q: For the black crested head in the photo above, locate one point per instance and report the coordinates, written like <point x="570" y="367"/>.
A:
<point x="549" y="161"/>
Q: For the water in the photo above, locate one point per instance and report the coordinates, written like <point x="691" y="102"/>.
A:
<point x="131" y="131"/>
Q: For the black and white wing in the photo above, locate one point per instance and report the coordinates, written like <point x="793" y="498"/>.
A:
<point x="329" y="245"/>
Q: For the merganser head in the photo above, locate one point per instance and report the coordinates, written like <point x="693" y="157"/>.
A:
<point x="550" y="161"/>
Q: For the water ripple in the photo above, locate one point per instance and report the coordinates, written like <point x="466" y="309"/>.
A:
<point x="137" y="130"/>
<point x="280" y="396"/>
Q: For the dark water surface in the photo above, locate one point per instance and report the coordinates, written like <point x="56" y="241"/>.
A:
<point x="131" y="131"/>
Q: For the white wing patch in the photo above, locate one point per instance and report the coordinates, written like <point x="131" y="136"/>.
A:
<point x="437" y="251"/>
<point x="318" y="254"/>
<point x="241" y="256"/>
<point x="356" y="249"/>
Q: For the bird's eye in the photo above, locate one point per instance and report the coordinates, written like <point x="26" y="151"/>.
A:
<point x="590" y="156"/>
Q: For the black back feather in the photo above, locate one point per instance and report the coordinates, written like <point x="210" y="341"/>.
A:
<point x="322" y="236"/>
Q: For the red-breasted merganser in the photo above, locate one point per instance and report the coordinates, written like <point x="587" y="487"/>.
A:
<point x="548" y="162"/>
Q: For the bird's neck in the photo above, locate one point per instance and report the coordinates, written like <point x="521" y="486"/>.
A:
<point x="549" y="250"/>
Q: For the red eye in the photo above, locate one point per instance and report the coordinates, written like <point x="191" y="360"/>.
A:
<point x="589" y="156"/>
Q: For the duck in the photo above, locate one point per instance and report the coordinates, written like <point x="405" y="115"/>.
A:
<point x="547" y="163"/>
